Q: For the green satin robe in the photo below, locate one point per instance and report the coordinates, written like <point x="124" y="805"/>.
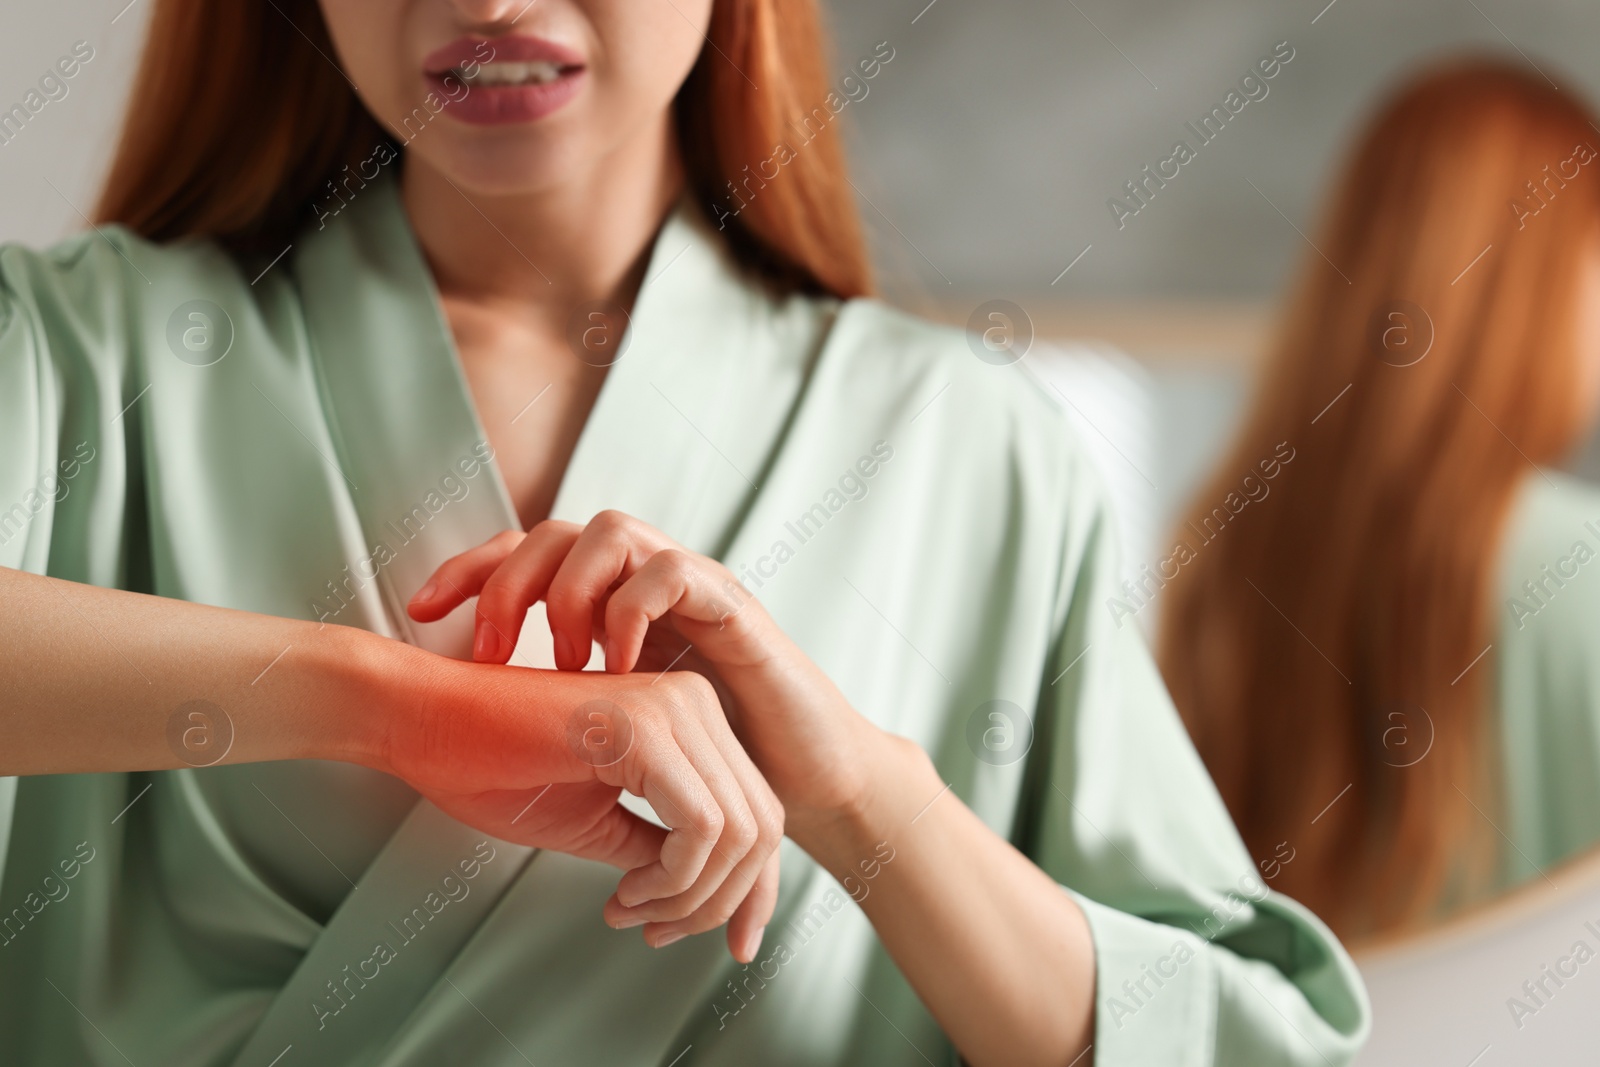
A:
<point x="919" y="520"/>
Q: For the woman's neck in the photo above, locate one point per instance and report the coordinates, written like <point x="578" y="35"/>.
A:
<point x="547" y="250"/>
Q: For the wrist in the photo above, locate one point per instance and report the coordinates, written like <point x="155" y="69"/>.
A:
<point x="365" y="694"/>
<point x="898" y="778"/>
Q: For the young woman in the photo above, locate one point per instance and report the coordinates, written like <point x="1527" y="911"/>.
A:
<point x="1387" y="658"/>
<point x="352" y="324"/>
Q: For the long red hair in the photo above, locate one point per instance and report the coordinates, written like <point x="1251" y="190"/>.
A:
<point x="1331" y="624"/>
<point x="237" y="120"/>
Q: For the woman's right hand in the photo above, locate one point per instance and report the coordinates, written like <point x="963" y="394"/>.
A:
<point x="541" y="758"/>
<point x="483" y="742"/>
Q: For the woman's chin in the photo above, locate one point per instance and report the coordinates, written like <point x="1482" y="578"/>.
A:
<point x="499" y="161"/>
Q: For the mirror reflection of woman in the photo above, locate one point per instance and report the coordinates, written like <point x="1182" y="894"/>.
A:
<point x="1387" y="660"/>
<point x="333" y="356"/>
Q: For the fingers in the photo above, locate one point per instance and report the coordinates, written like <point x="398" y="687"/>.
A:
<point x="459" y="578"/>
<point x="575" y="571"/>
<point x="744" y="902"/>
<point x="749" y="923"/>
<point x="698" y="592"/>
<point x="508" y="574"/>
<point x="516" y="585"/>
<point x="679" y="792"/>
<point x="610" y="549"/>
<point x="746" y="899"/>
<point x="623" y="840"/>
<point x="736" y="879"/>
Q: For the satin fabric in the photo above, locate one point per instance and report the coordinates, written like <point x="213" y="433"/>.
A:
<point x="920" y="520"/>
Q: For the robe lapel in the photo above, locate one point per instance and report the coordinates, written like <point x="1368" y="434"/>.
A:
<point x="691" y="413"/>
<point x="386" y="947"/>
<point x="402" y="419"/>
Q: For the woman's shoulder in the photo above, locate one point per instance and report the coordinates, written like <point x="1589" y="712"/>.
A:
<point x="110" y="257"/>
<point x="96" y="294"/>
<point x="990" y="430"/>
<point x="910" y="366"/>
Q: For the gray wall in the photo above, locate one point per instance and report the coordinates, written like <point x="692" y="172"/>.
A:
<point x="998" y="132"/>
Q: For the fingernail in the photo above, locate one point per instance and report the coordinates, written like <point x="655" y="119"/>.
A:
<point x="669" y="939"/>
<point x="755" y="942"/>
<point x="611" y="656"/>
<point x="487" y="646"/>
<point x="564" y="654"/>
<point x="426" y="593"/>
<point x="627" y="924"/>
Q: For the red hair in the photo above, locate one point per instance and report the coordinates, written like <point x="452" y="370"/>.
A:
<point x="1338" y="616"/>
<point x="237" y="119"/>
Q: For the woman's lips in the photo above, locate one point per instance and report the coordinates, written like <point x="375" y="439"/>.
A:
<point x="490" y="81"/>
<point x="487" y="105"/>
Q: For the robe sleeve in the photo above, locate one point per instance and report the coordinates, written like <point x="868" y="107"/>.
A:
<point x="1198" y="962"/>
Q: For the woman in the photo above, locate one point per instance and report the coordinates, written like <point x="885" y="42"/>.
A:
<point x="351" y="327"/>
<point x="1356" y="652"/>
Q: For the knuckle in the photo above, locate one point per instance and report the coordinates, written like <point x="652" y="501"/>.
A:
<point x="693" y="691"/>
<point x="674" y="563"/>
<point x="718" y="911"/>
<point x="770" y="817"/>
<point x="741" y="831"/>
<point x="621" y="612"/>
<point x="680" y="898"/>
<point x="550" y="529"/>
<point x="642" y="761"/>
<point x="495" y="599"/>
<point x="569" y="599"/>
<point x="564" y="598"/>
<point x="612" y="522"/>
<point x="507" y="538"/>
<point x="673" y="903"/>
<point x="707" y="822"/>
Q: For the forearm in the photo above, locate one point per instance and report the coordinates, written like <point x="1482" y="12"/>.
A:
<point x="1000" y="954"/>
<point x="105" y="680"/>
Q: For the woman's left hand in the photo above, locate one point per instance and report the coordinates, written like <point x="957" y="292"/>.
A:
<point x="655" y="605"/>
<point x="848" y="789"/>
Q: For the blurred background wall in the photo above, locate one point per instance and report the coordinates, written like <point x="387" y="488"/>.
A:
<point x="996" y="135"/>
